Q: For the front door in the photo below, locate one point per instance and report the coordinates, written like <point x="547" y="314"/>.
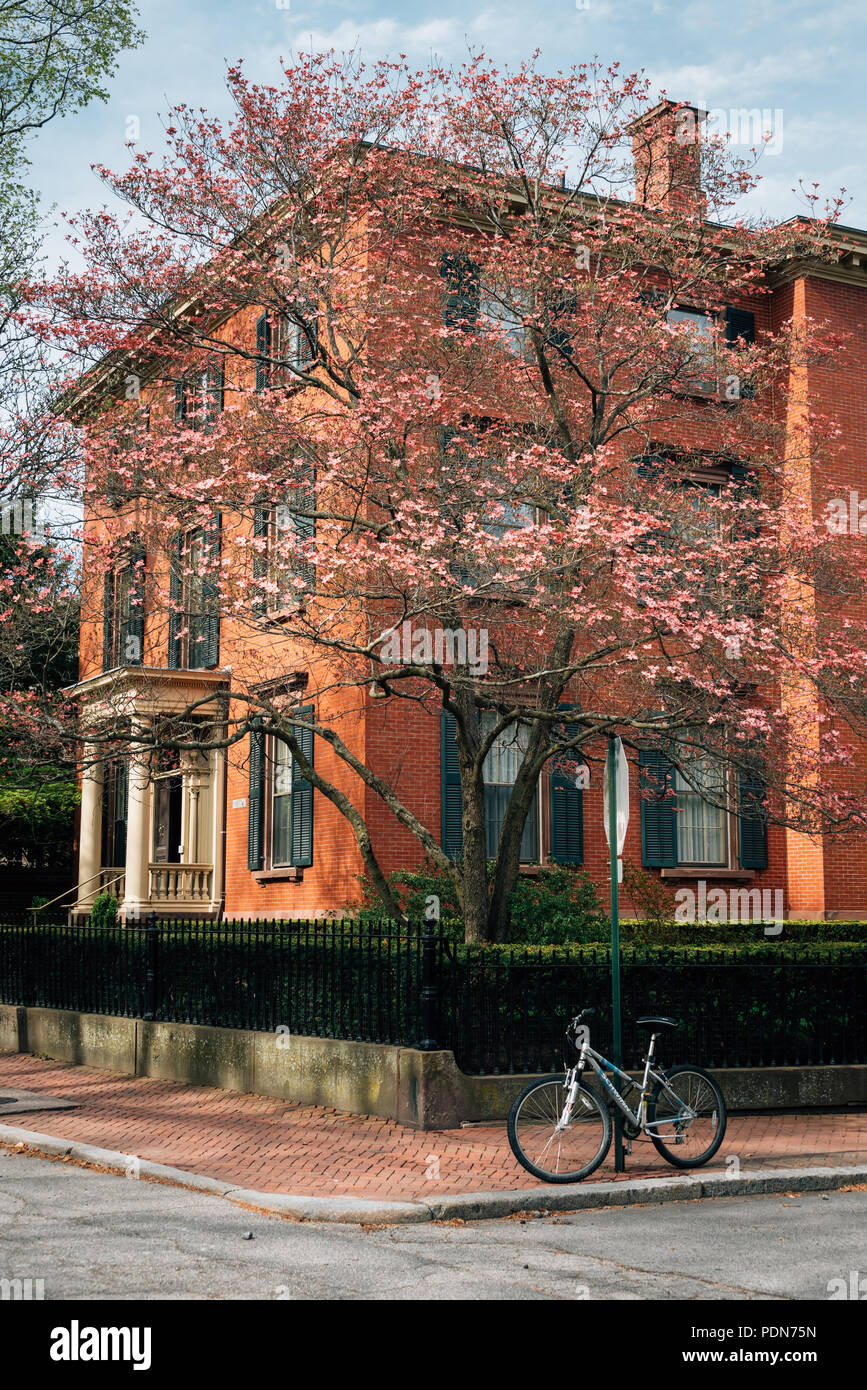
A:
<point x="168" y="792"/>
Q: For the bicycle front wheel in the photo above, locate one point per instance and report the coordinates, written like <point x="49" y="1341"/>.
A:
<point x="686" y="1117"/>
<point x="542" y="1147"/>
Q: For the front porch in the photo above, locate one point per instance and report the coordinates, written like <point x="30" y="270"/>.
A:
<point x="151" y="827"/>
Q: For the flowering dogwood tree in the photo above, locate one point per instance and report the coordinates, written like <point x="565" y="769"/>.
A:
<point x="465" y="363"/>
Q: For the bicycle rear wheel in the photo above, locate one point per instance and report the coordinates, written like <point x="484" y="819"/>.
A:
<point x="687" y="1139"/>
<point x="546" y="1151"/>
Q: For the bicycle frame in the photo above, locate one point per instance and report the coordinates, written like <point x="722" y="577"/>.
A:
<point x="600" y="1065"/>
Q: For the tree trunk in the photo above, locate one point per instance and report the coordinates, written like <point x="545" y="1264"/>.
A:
<point x="475" y="853"/>
<point x="509" y="851"/>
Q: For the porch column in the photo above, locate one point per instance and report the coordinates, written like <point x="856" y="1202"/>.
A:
<point x="90" y="833"/>
<point x="137" y="886"/>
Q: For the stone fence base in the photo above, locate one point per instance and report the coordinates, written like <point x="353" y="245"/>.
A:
<point x="425" y="1090"/>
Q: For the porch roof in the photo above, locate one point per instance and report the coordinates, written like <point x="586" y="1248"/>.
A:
<point x="147" y="690"/>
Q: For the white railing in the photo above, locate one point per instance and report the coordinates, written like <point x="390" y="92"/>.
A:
<point x="180" y="883"/>
<point x="113" y="881"/>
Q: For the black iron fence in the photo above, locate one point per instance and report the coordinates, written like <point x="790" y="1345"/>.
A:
<point x="320" y="979"/>
<point x="506" y="1012"/>
<point x="498" y="1010"/>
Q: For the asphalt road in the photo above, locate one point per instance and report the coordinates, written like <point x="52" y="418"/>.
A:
<point x="90" y="1235"/>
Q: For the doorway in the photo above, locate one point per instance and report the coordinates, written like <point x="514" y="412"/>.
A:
<point x="168" y="820"/>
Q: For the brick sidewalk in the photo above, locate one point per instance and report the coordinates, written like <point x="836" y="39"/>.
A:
<point x="279" y="1146"/>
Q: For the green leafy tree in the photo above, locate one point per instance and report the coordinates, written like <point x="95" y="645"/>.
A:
<point x="56" y="56"/>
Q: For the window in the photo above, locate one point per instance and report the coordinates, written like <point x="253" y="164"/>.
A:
<point x="700" y="340"/>
<point x="693" y="521"/>
<point x="461" y="291"/>
<point x="499" y="771"/>
<point x="194" y="619"/>
<point x="682" y="822"/>
<point x="284" y="348"/>
<point x="127" y="439"/>
<point x="561" y="315"/>
<point x="503" y="310"/>
<point x="509" y="516"/>
<point x="702" y="823"/>
<point x="280" y="802"/>
<point x="502" y="516"/>
<point x="698" y="523"/>
<point x="123" y="611"/>
<point x="289" y="572"/>
<point x="469" y="301"/>
<point x="199" y="397"/>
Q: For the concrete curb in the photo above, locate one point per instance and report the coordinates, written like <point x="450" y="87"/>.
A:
<point x="464" y="1206"/>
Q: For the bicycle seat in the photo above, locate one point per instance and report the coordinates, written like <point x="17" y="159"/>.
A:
<point x="657" y="1024"/>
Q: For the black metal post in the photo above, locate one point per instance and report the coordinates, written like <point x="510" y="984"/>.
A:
<point x="151" y="947"/>
<point x="429" y="988"/>
<point x="616" y="1025"/>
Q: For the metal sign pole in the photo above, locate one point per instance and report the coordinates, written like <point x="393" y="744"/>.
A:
<point x="616" y="1035"/>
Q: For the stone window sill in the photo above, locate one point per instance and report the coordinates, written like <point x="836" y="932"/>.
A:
<point x="273" y="875"/>
<point x="696" y="871"/>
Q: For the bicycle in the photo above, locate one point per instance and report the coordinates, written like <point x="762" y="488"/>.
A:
<point x="560" y="1130"/>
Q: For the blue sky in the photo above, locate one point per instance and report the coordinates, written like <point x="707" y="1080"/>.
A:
<point x="794" y="57"/>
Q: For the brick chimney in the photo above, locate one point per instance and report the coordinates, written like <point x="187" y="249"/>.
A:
<point x="667" y="154"/>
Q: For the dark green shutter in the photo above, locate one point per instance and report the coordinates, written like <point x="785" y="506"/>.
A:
<point x="740" y="323"/>
<point x="658" y="813"/>
<point x="746" y="480"/>
<point x="135" y="626"/>
<point x="217" y="386"/>
<point x="176" y="618"/>
<point x="450" y="451"/>
<point x="180" y="401"/>
<point x="261" y="514"/>
<point x="263" y="347"/>
<point x="107" y="620"/>
<point x="209" y="647"/>
<point x="647" y="466"/>
<point x="452" y="826"/>
<point x="302" y="798"/>
<point x="305" y="526"/>
<point x="311" y="345"/>
<point x="255" y="847"/>
<point x="567" y="811"/>
<point x="752" y="824"/>
<point x="461" y="297"/>
<point x="652" y="299"/>
<point x="558" y="336"/>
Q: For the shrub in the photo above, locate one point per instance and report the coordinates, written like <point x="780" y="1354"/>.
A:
<point x="653" y="903"/>
<point x="103" y="913"/>
<point x="557" y="906"/>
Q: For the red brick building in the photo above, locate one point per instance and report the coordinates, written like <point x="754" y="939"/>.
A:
<point x="239" y="833"/>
